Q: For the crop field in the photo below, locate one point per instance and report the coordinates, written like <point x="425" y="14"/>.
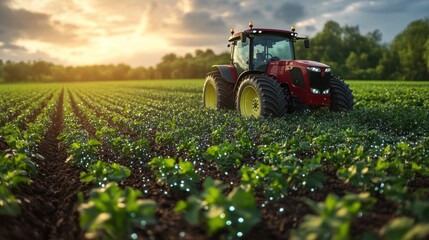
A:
<point x="145" y="160"/>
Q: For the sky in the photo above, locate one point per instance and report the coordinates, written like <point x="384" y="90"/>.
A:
<point x="140" y="32"/>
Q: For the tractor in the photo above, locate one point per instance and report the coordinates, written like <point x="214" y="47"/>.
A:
<point x="263" y="78"/>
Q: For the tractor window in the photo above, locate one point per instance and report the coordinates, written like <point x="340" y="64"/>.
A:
<point x="271" y="48"/>
<point x="241" y="56"/>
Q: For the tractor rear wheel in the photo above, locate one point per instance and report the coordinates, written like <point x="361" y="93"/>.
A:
<point x="341" y="95"/>
<point x="217" y="92"/>
<point x="260" y="96"/>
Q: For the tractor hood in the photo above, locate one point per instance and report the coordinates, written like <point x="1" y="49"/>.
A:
<point x="277" y="68"/>
<point x="309" y="63"/>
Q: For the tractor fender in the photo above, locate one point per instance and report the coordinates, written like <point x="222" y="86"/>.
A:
<point x="227" y="72"/>
<point x="244" y="74"/>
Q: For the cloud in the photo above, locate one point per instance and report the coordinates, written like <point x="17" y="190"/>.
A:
<point x="17" y="53"/>
<point x="385" y="7"/>
<point x="202" y="23"/>
<point x="9" y="46"/>
<point x="19" y="23"/>
<point x="290" y="13"/>
<point x="310" y="29"/>
<point x="201" y="41"/>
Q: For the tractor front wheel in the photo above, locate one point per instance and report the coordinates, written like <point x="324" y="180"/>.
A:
<point x="341" y="96"/>
<point x="260" y="96"/>
<point x="217" y="92"/>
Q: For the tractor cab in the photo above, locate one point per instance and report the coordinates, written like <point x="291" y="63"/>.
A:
<point x="254" y="49"/>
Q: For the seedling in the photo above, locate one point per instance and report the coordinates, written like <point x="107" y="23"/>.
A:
<point x="102" y="173"/>
<point x="236" y="213"/>
<point x="180" y="177"/>
<point x="333" y="217"/>
<point x="112" y="212"/>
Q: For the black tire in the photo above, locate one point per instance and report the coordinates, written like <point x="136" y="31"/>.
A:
<point x="224" y="91"/>
<point x="289" y="106"/>
<point x="341" y="96"/>
<point x="271" y="97"/>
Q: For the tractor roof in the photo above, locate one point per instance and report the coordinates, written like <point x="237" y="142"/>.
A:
<point x="286" y="33"/>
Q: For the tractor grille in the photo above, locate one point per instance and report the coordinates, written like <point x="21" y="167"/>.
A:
<point x="317" y="81"/>
<point x="297" y="77"/>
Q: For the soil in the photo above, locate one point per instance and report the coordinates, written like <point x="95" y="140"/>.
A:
<point x="50" y="205"/>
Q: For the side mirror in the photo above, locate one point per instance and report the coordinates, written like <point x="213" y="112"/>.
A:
<point x="243" y="37"/>
<point x="306" y="43"/>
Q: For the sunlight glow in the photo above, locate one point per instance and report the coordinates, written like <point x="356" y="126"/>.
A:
<point x="353" y="7"/>
<point x="100" y="49"/>
<point x="185" y="6"/>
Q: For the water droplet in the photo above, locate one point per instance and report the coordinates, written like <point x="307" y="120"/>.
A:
<point x="231" y="208"/>
<point x="228" y="222"/>
<point x="222" y="215"/>
<point x="281" y="210"/>
<point x="134" y="236"/>
<point x="239" y="234"/>
<point x="240" y="220"/>
<point x="182" y="234"/>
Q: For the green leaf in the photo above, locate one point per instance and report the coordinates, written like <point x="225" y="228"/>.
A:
<point x="397" y="228"/>
<point x="242" y="199"/>
<point x="193" y="210"/>
<point x="93" y="143"/>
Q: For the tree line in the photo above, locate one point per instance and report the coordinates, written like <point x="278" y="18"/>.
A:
<point x="350" y="54"/>
<point x="171" y="66"/>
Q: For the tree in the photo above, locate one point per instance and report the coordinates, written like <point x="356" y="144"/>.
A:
<point x="327" y="47"/>
<point x="349" y="53"/>
<point x="426" y="53"/>
<point x="16" y="72"/>
<point x="410" y="48"/>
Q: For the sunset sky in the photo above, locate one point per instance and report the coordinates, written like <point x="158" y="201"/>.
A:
<point x="140" y="32"/>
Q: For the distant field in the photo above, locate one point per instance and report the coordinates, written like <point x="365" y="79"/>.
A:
<point x="310" y="173"/>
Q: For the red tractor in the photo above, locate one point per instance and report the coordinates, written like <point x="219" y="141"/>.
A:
<point x="264" y="79"/>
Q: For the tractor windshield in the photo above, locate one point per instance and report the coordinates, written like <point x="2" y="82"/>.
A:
<point x="269" y="48"/>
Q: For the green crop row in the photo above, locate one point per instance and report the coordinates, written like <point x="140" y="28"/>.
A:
<point x="109" y="211"/>
<point x="17" y="162"/>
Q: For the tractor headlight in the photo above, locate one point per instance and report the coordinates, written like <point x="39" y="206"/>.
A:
<point x="327" y="70"/>
<point x="326" y="91"/>
<point x="314" y="69"/>
<point x="315" y="91"/>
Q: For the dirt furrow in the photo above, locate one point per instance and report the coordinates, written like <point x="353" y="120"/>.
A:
<point x="49" y="204"/>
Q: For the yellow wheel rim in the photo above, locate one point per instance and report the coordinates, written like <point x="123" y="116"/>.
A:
<point x="210" y="100"/>
<point x="250" y="104"/>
